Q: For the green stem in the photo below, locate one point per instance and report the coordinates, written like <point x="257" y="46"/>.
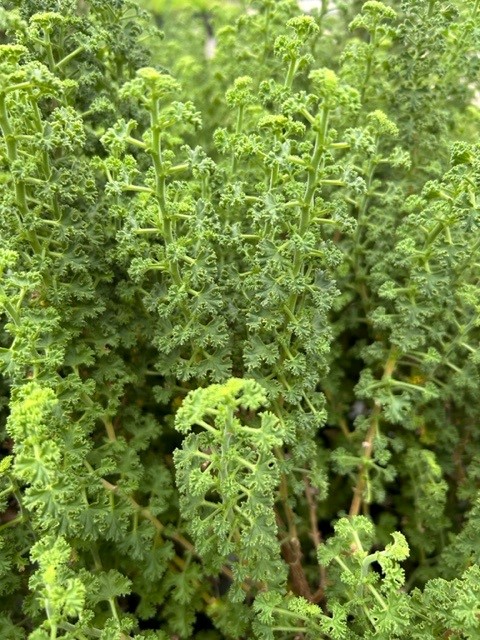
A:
<point x="48" y="47"/>
<point x="136" y="143"/>
<point x="113" y="608"/>
<point x="292" y="69"/>
<point x="70" y="56"/>
<point x="368" y="70"/>
<point x="178" y="168"/>
<point x="160" y="186"/>
<point x="12" y="312"/>
<point x="20" y="86"/>
<point x="313" y="171"/>
<point x="238" y="131"/>
<point x="208" y="427"/>
<point x="12" y="523"/>
<point x="12" y="154"/>
<point x="138" y="189"/>
<point x="246" y="463"/>
<point x="309" y="196"/>
<point x="288" y="614"/>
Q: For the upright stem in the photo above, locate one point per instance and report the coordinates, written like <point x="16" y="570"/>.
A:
<point x="238" y="131"/>
<point x="12" y="154"/>
<point x="292" y="69"/>
<point x="367" y="444"/>
<point x="165" y="219"/>
<point x="309" y="196"/>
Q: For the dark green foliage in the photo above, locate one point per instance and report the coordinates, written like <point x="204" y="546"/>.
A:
<point x="239" y="321"/>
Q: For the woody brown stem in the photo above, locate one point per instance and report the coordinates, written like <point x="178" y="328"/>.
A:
<point x="292" y="553"/>
<point x="315" y="535"/>
<point x="367" y="444"/>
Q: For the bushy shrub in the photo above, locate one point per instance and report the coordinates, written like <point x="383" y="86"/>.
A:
<point x="239" y="330"/>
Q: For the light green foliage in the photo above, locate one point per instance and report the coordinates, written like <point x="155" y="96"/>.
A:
<point x="227" y="476"/>
<point x="239" y="320"/>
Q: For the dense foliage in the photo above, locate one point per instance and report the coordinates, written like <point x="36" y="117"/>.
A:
<point x="239" y="320"/>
